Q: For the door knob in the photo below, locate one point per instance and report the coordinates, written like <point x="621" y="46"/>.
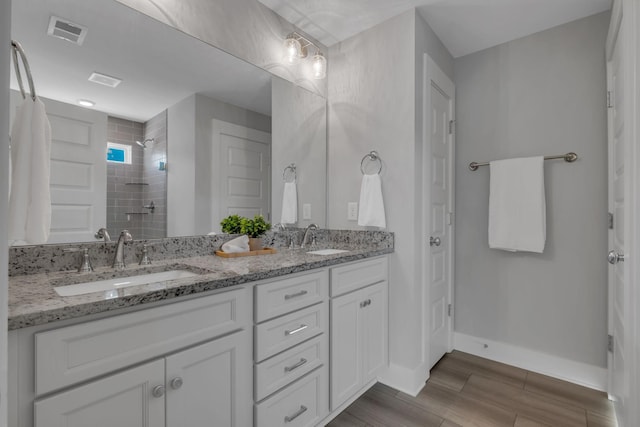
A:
<point x="434" y="242"/>
<point x="615" y="257"/>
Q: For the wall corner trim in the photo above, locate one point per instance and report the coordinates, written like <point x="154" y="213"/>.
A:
<point x="406" y="380"/>
<point x="583" y="374"/>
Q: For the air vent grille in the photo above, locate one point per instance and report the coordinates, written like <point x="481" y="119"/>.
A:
<point x="103" y="79"/>
<point x="67" y="30"/>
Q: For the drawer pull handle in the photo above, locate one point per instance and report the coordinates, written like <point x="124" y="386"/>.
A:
<point x="158" y="391"/>
<point x="296" y="330"/>
<point x="297" y="294"/>
<point x="297" y="365"/>
<point x="299" y="412"/>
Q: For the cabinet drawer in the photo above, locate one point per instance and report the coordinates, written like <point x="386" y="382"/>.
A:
<point x="76" y="353"/>
<point x="287" y="295"/>
<point x="302" y="404"/>
<point x="275" y="373"/>
<point x="279" y="334"/>
<point x="354" y="276"/>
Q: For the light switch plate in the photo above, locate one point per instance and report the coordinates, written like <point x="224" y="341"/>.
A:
<point x="352" y="211"/>
<point x="306" y="211"/>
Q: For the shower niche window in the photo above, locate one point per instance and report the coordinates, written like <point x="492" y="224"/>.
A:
<point x="136" y="186"/>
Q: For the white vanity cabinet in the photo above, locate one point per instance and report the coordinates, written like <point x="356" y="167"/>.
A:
<point x="290" y="352"/>
<point x="359" y="327"/>
<point x="186" y="363"/>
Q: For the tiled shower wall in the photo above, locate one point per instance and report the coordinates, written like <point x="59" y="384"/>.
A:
<point x="124" y="196"/>
<point x="155" y="224"/>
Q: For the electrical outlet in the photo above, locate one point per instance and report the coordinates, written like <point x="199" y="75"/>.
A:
<point x="306" y="211"/>
<point x="352" y="211"/>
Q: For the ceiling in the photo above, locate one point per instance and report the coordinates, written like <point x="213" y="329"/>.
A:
<point x="159" y="65"/>
<point x="464" y="26"/>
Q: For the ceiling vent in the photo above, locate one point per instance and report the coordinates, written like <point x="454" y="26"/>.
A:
<point x="103" y="79"/>
<point x="67" y="30"/>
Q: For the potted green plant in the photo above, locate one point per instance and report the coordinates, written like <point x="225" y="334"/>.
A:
<point x="232" y="224"/>
<point x="254" y="228"/>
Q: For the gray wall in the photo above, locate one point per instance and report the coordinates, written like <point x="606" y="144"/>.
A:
<point x="190" y="186"/>
<point x="540" y="95"/>
<point x="373" y="90"/>
<point x="301" y="138"/>
<point x="5" y="36"/>
<point x="244" y="28"/>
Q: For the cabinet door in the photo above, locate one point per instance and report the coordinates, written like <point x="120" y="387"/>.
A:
<point x="346" y="347"/>
<point x="210" y="385"/>
<point x="124" y="400"/>
<point x="375" y="330"/>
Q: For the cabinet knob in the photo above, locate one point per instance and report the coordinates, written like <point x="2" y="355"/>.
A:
<point x="613" y="257"/>
<point x="158" y="391"/>
<point x="176" y="383"/>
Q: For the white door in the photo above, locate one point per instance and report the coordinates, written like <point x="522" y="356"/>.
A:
<point x="78" y="170"/>
<point x="618" y="286"/>
<point x="211" y="384"/>
<point x="244" y="162"/>
<point x="440" y="112"/>
<point x="125" y="400"/>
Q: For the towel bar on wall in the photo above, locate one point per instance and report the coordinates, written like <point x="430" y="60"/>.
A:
<point x="569" y="158"/>
<point x="374" y="157"/>
<point x="16" y="49"/>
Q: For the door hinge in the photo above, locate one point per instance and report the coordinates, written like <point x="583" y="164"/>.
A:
<point x="452" y="125"/>
<point x="610" y="220"/>
<point x="610" y="343"/>
<point x="449" y="310"/>
<point x="450" y="218"/>
<point x="609" y="99"/>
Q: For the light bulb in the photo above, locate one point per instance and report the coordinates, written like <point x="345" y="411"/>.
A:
<point x="292" y="50"/>
<point x="319" y="66"/>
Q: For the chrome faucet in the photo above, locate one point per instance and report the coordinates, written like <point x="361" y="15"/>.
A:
<point x="103" y="234"/>
<point x="306" y="232"/>
<point x="118" y="260"/>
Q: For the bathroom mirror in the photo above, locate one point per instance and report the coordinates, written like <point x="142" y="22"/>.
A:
<point x="192" y="130"/>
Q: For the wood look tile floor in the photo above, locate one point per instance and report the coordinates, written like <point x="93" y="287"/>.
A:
<point x="466" y="390"/>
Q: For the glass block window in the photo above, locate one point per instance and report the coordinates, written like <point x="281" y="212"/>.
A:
<point x="118" y="153"/>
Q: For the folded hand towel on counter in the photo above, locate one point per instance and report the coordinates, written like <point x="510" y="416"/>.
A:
<point x="289" y="204"/>
<point x="239" y="244"/>
<point x="30" y="196"/>
<point x="517" y="217"/>
<point x="371" y="212"/>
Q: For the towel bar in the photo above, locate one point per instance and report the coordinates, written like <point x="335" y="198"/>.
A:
<point x="373" y="156"/>
<point x="569" y="158"/>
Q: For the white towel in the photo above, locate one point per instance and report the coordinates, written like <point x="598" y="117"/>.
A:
<point x="289" y="203"/>
<point x="239" y="244"/>
<point x="371" y="212"/>
<point x="517" y="220"/>
<point x="30" y="196"/>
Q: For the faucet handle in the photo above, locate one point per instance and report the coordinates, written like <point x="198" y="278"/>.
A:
<point x="102" y="233"/>
<point x="85" y="267"/>
<point x="144" y="258"/>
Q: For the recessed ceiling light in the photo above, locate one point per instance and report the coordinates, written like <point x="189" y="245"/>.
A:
<point x="103" y="79"/>
<point x="86" y="103"/>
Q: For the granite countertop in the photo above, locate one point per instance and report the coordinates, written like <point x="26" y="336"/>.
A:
<point x="33" y="300"/>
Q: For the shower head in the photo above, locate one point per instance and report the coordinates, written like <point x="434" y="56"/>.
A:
<point x="143" y="144"/>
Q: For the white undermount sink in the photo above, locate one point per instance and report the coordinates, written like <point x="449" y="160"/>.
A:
<point x="121" y="282"/>
<point x="327" y="252"/>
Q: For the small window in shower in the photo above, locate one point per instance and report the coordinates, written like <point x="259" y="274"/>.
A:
<point x="118" y="153"/>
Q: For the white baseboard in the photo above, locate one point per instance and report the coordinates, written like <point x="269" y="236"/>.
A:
<point x="408" y="381"/>
<point x="568" y="370"/>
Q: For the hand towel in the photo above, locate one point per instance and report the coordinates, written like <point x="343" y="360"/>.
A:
<point x="239" y="244"/>
<point x="30" y="196"/>
<point x="517" y="220"/>
<point x="371" y="212"/>
<point x="289" y="204"/>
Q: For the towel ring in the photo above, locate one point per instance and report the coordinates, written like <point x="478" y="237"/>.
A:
<point x="373" y="156"/>
<point x="292" y="170"/>
<point x="16" y="49"/>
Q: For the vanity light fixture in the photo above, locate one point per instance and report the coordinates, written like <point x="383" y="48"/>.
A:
<point x="86" y="102"/>
<point x="296" y="48"/>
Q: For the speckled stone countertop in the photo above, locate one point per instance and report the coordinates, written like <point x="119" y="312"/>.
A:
<point x="33" y="300"/>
